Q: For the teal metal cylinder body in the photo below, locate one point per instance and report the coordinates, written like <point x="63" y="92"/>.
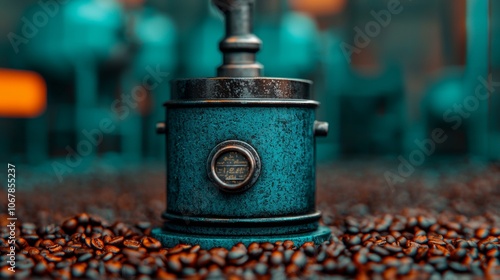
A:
<point x="286" y="182"/>
<point x="241" y="159"/>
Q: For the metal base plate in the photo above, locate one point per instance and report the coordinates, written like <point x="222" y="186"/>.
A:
<point x="170" y="239"/>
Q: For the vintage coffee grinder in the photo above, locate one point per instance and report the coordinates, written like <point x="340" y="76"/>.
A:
<point x="240" y="151"/>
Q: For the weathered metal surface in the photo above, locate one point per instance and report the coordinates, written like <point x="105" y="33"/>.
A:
<point x="240" y="151"/>
<point x="170" y="239"/>
<point x="242" y="226"/>
<point x="217" y="88"/>
<point x="283" y="138"/>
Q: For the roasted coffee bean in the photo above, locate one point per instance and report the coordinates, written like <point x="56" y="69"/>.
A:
<point x="70" y="225"/>
<point x="174" y="263"/>
<point x="288" y="244"/>
<point x="309" y="249"/>
<point x="393" y="249"/>
<point x="111" y="249"/>
<point x="360" y="258"/>
<point x="97" y="243"/>
<point x="83" y="218"/>
<point x="352" y="240"/>
<point x="113" y="266"/>
<point x="25" y="264"/>
<point x="390" y="239"/>
<point x="78" y="269"/>
<point x="379" y="250"/>
<point x="151" y="243"/>
<point x="421" y="239"/>
<point x="299" y="259"/>
<point x="46" y="243"/>
<point x="85" y="257"/>
<point x="55" y="248"/>
<point x="267" y="246"/>
<point x="220" y="261"/>
<point x="276" y="258"/>
<point x="254" y="250"/>
<point x="391" y="261"/>
<point x="82" y="251"/>
<point x="107" y="256"/>
<point x="33" y="251"/>
<point x="187" y="259"/>
<point x="52" y="258"/>
<point x="481" y="233"/>
<point x="236" y="253"/>
<point x="457" y="235"/>
<point x="132" y="244"/>
<point x="116" y="240"/>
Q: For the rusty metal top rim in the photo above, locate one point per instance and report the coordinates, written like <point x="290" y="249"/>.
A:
<point x="224" y="88"/>
<point x="243" y="78"/>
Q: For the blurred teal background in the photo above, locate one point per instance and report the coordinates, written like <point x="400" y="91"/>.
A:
<point x="387" y="73"/>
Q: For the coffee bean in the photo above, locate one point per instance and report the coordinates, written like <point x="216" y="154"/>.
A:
<point x="220" y="261"/>
<point x="260" y="269"/>
<point x="128" y="270"/>
<point x="84" y="257"/>
<point x="55" y="248"/>
<point x="310" y="250"/>
<point x="379" y="250"/>
<point x="481" y="233"/>
<point x="33" y="251"/>
<point x="352" y="240"/>
<point x="82" y="251"/>
<point x="360" y="258"/>
<point x="288" y="244"/>
<point x="195" y="249"/>
<point x="177" y="249"/>
<point x="255" y="250"/>
<point x="70" y="225"/>
<point x="393" y="249"/>
<point x="111" y="249"/>
<point x="152" y="244"/>
<point x="299" y="259"/>
<point x="25" y="264"/>
<point x="236" y="253"/>
<point x="493" y="252"/>
<point x="107" y="256"/>
<point x="46" y="243"/>
<point x="375" y="267"/>
<point x="174" y="263"/>
<point x="52" y="258"/>
<point x="435" y="241"/>
<point x="97" y="243"/>
<point x="276" y="258"/>
<point x="132" y="244"/>
<point x="116" y="240"/>
<point x="40" y="268"/>
<point x="83" y="218"/>
<point x="188" y="259"/>
<point x="422" y="239"/>
<point x="267" y="246"/>
<point x="390" y="239"/>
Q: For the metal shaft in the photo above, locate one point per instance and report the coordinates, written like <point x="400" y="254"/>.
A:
<point x="239" y="45"/>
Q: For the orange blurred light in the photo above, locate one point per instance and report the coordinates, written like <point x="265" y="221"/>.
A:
<point x="319" y="7"/>
<point x="23" y="94"/>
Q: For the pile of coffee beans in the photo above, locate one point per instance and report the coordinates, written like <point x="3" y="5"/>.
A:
<point x="409" y="245"/>
<point x="442" y="223"/>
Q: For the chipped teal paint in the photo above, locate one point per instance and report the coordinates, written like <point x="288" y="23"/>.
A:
<point x="283" y="138"/>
